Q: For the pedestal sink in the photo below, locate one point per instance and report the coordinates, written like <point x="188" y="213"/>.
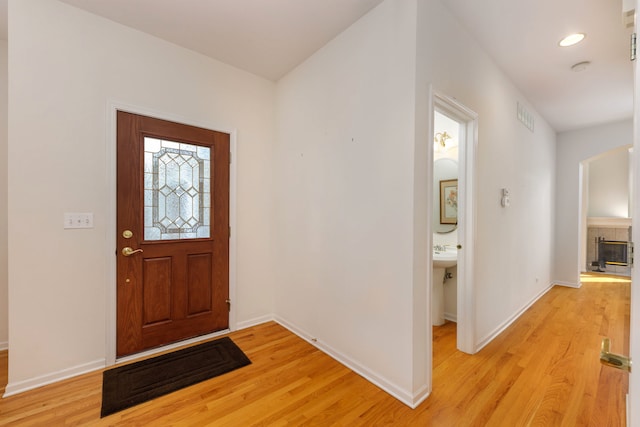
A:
<point x="446" y="258"/>
<point x="442" y="259"/>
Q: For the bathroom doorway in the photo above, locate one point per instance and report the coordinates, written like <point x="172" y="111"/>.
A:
<point x="453" y="216"/>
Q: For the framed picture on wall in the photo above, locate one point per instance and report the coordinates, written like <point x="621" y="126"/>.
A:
<point x="449" y="201"/>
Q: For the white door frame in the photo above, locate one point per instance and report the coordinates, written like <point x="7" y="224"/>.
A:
<point x="110" y="220"/>
<point x="633" y="399"/>
<point x="466" y="310"/>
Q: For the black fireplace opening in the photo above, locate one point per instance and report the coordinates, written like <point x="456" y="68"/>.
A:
<point x="612" y="252"/>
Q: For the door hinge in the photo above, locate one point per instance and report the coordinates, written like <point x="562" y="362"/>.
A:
<point x="228" y="301"/>
<point x="230" y="154"/>
<point x="229" y="231"/>
<point x="633" y="46"/>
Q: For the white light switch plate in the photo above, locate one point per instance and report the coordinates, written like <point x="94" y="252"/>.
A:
<point x="78" y="220"/>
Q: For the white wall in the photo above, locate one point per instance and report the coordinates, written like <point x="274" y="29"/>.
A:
<point x="66" y="66"/>
<point x="353" y="203"/>
<point x="513" y="245"/>
<point x="333" y="224"/>
<point x="343" y="180"/>
<point x="4" y="275"/>
<point x="609" y="184"/>
<point x="573" y="148"/>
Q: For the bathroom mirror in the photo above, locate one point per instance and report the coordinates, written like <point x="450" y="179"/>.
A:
<point x="445" y="170"/>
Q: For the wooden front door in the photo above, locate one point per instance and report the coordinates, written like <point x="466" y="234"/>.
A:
<point x="172" y="232"/>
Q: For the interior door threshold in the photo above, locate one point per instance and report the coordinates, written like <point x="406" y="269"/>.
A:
<point x="147" y="353"/>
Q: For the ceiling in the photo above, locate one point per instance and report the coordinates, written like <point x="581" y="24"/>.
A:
<point x="522" y="37"/>
<point x="266" y="37"/>
<point x="271" y="37"/>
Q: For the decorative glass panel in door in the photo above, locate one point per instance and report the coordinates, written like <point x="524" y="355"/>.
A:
<point x="177" y="201"/>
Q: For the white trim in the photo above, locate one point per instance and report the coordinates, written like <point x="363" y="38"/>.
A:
<point x="110" y="237"/>
<point x="510" y="321"/>
<point x="30" y="384"/>
<point x="233" y="239"/>
<point x="583" y="207"/>
<point x="608" y="222"/>
<point x="404" y="396"/>
<point x="411" y="400"/>
<point x="452" y="317"/>
<point x="419" y="397"/>
<point x="4" y="345"/>
<point x="628" y="410"/>
<point x="568" y="284"/>
<point x="255" y="321"/>
<point x="395" y="391"/>
<point x="633" y="404"/>
<point x="466" y="340"/>
<point x="111" y="130"/>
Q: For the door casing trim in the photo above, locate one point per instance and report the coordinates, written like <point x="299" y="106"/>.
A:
<point x="110" y="221"/>
<point x="466" y="316"/>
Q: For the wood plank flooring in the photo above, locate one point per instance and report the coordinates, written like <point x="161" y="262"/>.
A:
<point x="542" y="371"/>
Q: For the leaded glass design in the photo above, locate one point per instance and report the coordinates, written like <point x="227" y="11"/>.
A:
<point x="177" y="200"/>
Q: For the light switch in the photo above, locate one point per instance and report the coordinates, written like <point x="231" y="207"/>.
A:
<point x="505" y="201"/>
<point x="78" y="220"/>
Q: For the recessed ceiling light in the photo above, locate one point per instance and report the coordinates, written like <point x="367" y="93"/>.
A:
<point x="571" y="39"/>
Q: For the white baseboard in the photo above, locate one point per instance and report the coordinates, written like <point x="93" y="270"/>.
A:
<point x="409" y="399"/>
<point x="255" y="321"/>
<point x="568" y="284"/>
<point x="4" y="345"/>
<point x="420" y="396"/>
<point x="451" y="317"/>
<point x="30" y="384"/>
<point x="492" y="335"/>
<point x="628" y="410"/>
<point x="26" y="385"/>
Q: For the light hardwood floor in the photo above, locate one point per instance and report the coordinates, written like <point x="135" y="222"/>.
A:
<point x="542" y="371"/>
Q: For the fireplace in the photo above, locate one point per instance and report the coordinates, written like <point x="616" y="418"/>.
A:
<point x="609" y="248"/>
<point x="612" y="252"/>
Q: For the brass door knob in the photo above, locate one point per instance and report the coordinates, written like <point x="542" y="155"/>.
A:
<point x="127" y="251"/>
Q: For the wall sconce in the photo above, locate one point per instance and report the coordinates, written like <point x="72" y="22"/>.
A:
<point x="441" y="140"/>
